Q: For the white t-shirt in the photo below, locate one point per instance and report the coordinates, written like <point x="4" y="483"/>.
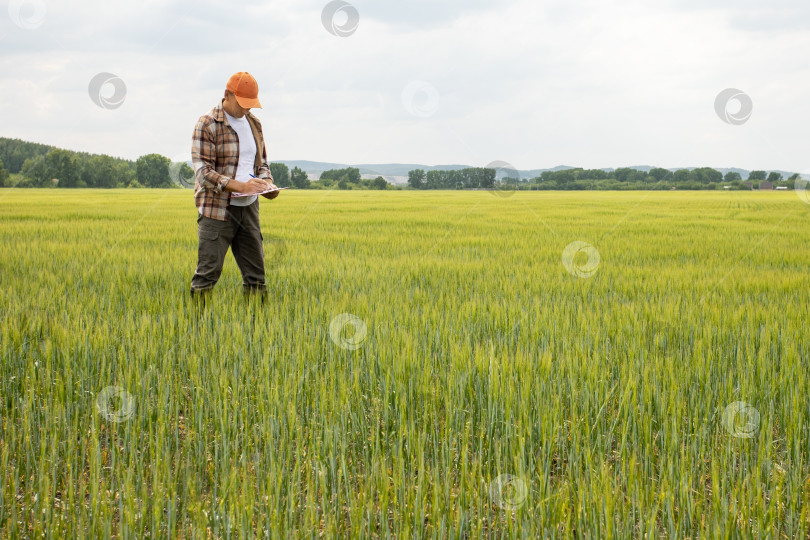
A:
<point x="247" y="156"/>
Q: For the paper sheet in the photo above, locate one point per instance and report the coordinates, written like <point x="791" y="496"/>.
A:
<point x="271" y="190"/>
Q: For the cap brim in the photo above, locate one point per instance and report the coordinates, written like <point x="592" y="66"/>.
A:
<point x="248" y="103"/>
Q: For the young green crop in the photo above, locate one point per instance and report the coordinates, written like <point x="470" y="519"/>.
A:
<point x="429" y="364"/>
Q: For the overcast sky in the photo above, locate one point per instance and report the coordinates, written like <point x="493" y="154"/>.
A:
<point x="536" y="83"/>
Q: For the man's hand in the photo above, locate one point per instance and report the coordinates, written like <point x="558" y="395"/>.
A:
<point x="254" y="185"/>
<point x="272" y="195"/>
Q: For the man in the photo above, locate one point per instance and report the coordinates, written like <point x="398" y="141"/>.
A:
<point x="229" y="156"/>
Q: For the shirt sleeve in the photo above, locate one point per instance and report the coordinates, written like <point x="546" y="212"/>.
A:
<point x="203" y="157"/>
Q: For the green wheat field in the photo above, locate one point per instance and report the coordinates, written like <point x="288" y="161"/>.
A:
<point x="428" y="365"/>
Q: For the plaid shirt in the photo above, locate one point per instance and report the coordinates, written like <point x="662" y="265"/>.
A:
<point x="215" y="156"/>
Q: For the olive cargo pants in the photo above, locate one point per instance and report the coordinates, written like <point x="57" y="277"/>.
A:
<point x="243" y="235"/>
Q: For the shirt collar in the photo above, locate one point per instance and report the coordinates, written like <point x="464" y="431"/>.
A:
<point x="219" y="113"/>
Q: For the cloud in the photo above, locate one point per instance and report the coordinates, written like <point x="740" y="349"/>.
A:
<point x="423" y="14"/>
<point x="168" y="27"/>
<point x="753" y="15"/>
<point x="583" y="82"/>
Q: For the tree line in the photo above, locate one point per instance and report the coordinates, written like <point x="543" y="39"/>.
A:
<point x="27" y="164"/>
<point x="348" y="178"/>
<point x="598" y="179"/>
<point x="470" y="178"/>
<point x="39" y="165"/>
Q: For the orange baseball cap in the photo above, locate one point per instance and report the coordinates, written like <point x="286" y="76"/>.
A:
<point x="246" y="89"/>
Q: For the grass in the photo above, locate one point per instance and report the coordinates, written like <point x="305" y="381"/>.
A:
<point x="492" y="394"/>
